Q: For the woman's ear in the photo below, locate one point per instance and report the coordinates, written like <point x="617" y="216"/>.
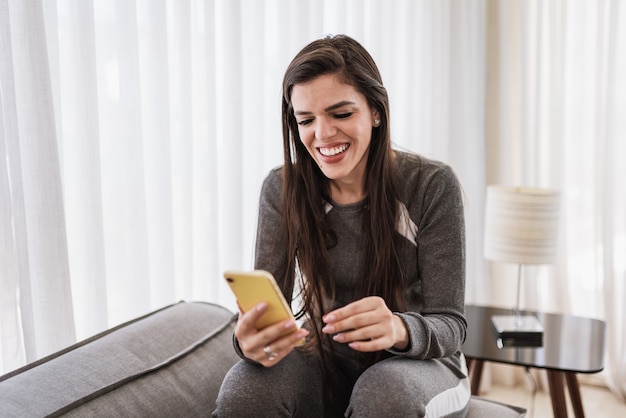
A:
<point x="375" y="118"/>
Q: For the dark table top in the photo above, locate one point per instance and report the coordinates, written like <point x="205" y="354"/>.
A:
<point x="570" y="343"/>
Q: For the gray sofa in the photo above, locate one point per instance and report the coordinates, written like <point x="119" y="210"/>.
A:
<point x="169" y="363"/>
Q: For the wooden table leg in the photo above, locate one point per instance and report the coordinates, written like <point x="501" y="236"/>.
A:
<point x="475" y="374"/>
<point x="557" y="393"/>
<point x="574" y="394"/>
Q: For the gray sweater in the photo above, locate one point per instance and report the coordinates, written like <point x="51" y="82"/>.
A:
<point x="432" y="223"/>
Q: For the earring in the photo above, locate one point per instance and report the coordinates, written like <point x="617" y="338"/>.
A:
<point x="376" y="123"/>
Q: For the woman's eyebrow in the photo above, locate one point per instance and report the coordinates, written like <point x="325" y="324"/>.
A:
<point x="338" y="105"/>
<point x="328" y="109"/>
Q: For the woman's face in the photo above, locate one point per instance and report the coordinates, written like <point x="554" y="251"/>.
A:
<point x="335" y="125"/>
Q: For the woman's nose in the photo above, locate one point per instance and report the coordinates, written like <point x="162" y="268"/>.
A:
<point x="324" y="129"/>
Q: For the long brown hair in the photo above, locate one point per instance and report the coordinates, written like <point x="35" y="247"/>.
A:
<point x="306" y="189"/>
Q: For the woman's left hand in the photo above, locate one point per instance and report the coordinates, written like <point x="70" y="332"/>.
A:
<point x="367" y="325"/>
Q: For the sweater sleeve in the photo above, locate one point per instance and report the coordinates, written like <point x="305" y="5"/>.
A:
<point x="270" y="251"/>
<point x="436" y="324"/>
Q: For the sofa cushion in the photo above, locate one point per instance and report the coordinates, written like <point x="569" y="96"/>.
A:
<point x="168" y="363"/>
<point x="484" y="408"/>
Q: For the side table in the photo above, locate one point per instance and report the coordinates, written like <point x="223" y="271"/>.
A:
<point x="571" y="345"/>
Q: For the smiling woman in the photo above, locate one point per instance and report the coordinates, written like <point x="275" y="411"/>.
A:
<point x="381" y="310"/>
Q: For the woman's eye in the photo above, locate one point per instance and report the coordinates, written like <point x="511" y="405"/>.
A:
<point x="304" y="122"/>
<point x="343" y="115"/>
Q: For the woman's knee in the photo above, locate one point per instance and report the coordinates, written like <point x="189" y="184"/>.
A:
<point x="233" y="398"/>
<point x="384" y="390"/>
<point x="399" y="387"/>
<point x="251" y="390"/>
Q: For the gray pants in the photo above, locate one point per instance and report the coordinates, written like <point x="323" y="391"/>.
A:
<point x="395" y="387"/>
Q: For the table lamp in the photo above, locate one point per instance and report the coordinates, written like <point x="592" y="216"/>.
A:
<point x="521" y="227"/>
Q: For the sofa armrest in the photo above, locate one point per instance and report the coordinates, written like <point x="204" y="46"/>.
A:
<point x="170" y="362"/>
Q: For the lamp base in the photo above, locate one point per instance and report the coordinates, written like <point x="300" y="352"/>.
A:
<point x="518" y="331"/>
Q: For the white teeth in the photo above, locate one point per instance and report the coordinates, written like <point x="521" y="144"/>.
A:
<point x="329" y="152"/>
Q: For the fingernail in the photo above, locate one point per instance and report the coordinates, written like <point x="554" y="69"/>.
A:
<point x="290" y="325"/>
<point x="303" y="333"/>
<point x="329" y="318"/>
<point x="328" y="329"/>
<point x="261" y="306"/>
<point x="338" y="337"/>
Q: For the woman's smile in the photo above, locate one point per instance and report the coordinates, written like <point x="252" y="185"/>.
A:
<point x="333" y="151"/>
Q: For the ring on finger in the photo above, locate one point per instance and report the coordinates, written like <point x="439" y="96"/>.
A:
<point x="271" y="355"/>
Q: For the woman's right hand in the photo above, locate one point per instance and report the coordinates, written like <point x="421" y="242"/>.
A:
<point x="269" y="345"/>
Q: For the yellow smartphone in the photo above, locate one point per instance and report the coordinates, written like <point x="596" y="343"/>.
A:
<point x="256" y="286"/>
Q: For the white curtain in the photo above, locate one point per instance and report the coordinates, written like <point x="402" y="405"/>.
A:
<point x="135" y="134"/>
<point x="36" y="306"/>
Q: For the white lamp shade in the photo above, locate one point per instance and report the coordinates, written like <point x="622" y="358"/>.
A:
<point x="521" y="225"/>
